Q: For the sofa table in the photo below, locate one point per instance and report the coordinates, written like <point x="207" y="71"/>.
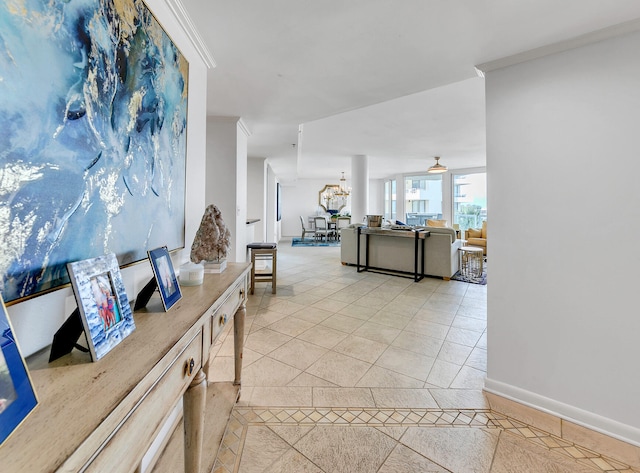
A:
<point x="105" y="415"/>
<point x="418" y="252"/>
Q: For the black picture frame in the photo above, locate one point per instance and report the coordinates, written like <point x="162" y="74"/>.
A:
<point x="165" y="275"/>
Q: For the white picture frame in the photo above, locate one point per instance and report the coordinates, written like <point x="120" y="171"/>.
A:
<point x="102" y="301"/>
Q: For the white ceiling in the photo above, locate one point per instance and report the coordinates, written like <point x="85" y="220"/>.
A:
<point x="390" y="79"/>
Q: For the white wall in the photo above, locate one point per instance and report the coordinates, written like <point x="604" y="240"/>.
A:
<point x="274" y="228"/>
<point x="301" y="198"/>
<point x="36" y="320"/>
<point x="256" y="204"/>
<point x="221" y="167"/>
<point x="563" y="141"/>
<point x="376" y="196"/>
<point x="400" y="193"/>
<point x="241" y="194"/>
<point x="226" y="178"/>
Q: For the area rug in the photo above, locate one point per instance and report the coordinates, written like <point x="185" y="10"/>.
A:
<point x="313" y="242"/>
<point x="473" y="280"/>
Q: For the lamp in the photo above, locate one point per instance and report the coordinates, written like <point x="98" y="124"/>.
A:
<point x="437" y="168"/>
<point x="342" y="191"/>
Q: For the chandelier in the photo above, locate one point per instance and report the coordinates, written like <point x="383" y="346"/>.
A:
<point x="343" y="190"/>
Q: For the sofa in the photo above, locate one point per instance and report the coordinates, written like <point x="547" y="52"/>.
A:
<point x="477" y="237"/>
<point x="441" y="256"/>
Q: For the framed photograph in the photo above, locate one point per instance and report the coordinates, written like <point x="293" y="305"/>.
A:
<point x="165" y="277"/>
<point x="17" y="397"/>
<point x="278" y="202"/>
<point x="102" y="301"/>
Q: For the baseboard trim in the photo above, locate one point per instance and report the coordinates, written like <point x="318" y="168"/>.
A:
<point x="585" y="428"/>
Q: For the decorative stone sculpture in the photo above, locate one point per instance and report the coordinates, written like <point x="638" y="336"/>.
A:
<point x="212" y="241"/>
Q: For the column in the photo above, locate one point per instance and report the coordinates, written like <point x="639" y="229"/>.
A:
<point x="359" y="187"/>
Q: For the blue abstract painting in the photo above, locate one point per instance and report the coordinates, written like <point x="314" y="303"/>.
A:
<point x="93" y="130"/>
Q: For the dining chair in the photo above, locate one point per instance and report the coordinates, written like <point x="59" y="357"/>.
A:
<point x="342" y="222"/>
<point x="322" y="228"/>
<point x="306" y="230"/>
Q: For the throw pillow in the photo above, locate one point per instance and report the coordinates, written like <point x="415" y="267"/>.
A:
<point x="437" y="223"/>
<point x="484" y="229"/>
<point x="474" y="233"/>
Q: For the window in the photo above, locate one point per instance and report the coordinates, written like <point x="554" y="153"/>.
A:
<point x="470" y="200"/>
<point x="390" y="200"/>
<point x="423" y="198"/>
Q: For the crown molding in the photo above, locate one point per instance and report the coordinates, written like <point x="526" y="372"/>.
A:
<point x="181" y="14"/>
<point x="243" y="126"/>
<point x="631" y="26"/>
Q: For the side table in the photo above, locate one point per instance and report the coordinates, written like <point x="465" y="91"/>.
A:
<point x="471" y="261"/>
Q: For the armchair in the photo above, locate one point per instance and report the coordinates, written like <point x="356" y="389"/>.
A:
<point x="477" y="237"/>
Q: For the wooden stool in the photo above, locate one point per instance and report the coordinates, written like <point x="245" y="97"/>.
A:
<point x="263" y="252"/>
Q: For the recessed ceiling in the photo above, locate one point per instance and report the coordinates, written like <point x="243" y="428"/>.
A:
<point x="393" y="80"/>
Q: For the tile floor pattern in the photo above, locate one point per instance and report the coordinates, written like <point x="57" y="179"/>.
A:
<point x="363" y="372"/>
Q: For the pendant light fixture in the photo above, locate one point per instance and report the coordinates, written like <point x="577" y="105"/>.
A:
<point x="437" y="168"/>
<point x="343" y="190"/>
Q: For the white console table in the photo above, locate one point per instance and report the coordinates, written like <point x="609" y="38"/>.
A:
<point x="104" y="416"/>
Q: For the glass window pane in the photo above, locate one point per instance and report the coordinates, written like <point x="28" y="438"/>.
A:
<point x="390" y="200"/>
<point x="423" y="199"/>
<point x="393" y="200"/>
<point x="469" y="200"/>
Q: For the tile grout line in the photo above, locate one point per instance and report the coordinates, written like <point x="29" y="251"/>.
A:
<point x="373" y="417"/>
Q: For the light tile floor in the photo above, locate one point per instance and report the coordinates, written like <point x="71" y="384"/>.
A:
<point x="363" y="372"/>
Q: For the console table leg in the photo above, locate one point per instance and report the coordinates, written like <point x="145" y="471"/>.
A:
<point x="238" y="341"/>
<point x="194" y="400"/>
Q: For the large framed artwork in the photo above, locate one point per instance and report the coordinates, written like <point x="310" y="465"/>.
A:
<point x="17" y="397"/>
<point x="103" y="303"/>
<point x="93" y="133"/>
